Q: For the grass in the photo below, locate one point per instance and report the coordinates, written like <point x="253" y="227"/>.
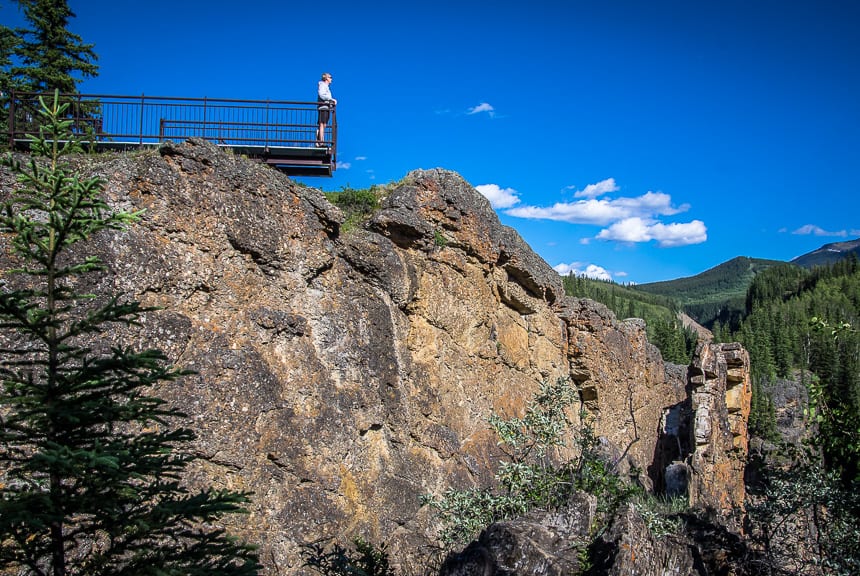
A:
<point x="357" y="204"/>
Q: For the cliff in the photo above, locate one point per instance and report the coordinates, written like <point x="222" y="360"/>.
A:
<point x="340" y="376"/>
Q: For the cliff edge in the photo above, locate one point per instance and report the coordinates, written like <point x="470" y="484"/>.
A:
<point x="340" y="376"/>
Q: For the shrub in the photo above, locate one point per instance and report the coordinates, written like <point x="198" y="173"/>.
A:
<point x="357" y="204"/>
<point x="532" y="477"/>
<point x="804" y="519"/>
<point x="661" y="515"/>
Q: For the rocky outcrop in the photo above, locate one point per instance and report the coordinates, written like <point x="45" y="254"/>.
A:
<point x="704" y="441"/>
<point x="340" y="376"/>
<point x="629" y="547"/>
<point x="562" y="543"/>
<point x="721" y="394"/>
<point x="701" y="452"/>
<point x="539" y="543"/>
<point x="623" y="383"/>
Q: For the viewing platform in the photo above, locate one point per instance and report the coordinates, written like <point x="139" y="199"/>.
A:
<point x="278" y="132"/>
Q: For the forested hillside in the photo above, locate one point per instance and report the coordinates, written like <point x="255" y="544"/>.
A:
<point x="804" y="322"/>
<point x="828" y="254"/>
<point x="717" y="294"/>
<point x="660" y="313"/>
<point x="801" y="327"/>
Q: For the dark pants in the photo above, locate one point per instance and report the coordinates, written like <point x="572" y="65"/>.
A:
<point x="324" y="115"/>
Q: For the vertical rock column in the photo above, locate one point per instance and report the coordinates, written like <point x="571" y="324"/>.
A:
<point x="720" y="392"/>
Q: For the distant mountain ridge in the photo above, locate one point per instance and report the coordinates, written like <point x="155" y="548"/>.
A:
<point x="724" y="281"/>
<point x="828" y="254"/>
<point x="720" y="292"/>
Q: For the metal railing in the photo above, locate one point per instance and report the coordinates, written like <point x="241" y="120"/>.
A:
<point x="127" y="121"/>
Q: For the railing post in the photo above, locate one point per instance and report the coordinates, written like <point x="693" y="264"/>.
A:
<point x="204" y="118"/>
<point x="142" y="107"/>
<point x="11" y="124"/>
<point x="334" y="137"/>
<point x="75" y="104"/>
<point x="267" y="125"/>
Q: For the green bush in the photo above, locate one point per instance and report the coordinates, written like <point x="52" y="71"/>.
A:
<point x="662" y="515"/>
<point x="357" y="204"/>
<point x="532" y="477"/>
<point x="804" y="519"/>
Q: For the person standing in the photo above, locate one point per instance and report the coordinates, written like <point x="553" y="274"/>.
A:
<point x="325" y="103"/>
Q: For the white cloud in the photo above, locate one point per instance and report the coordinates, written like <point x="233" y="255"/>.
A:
<point x="589" y="271"/>
<point x="602" y="212"/>
<point x="359" y="158"/>
<point x="599" y="189"/>
<point x="482" y="107"/>
<point x="667" y="235"/>
<point x="343" y="166"/>
<point x="626" y="219"/>
<point x="565" y="269"/>
<point x="498" y="197"/>
<point x="818" y="231"/>
<point x="653" y="203"/>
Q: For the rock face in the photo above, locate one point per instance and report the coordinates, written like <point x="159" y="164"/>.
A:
<point x="721" y="394"/>
<point x="340" y="376"/>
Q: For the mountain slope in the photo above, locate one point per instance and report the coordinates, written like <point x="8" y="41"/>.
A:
<point x="828" y="254"/>
<point x="715" y="293"/>
<point x="719" y="293"/>
<point x="724" y="281"/>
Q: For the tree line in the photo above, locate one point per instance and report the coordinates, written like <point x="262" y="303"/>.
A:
<point x="715" y="296"/>
<point x="660" y="313"/>
<point x="802" y="324"/>
<point x="804" y="506"/>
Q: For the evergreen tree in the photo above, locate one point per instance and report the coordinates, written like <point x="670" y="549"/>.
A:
<point x="90" y="465"/>
<point x="8" y="42"/>
<point x="51" y="57"/>
<point x="762" y="418"/>
<point x="717" y="331"/>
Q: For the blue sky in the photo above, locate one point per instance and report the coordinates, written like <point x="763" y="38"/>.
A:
<point x="633" y="140"/>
